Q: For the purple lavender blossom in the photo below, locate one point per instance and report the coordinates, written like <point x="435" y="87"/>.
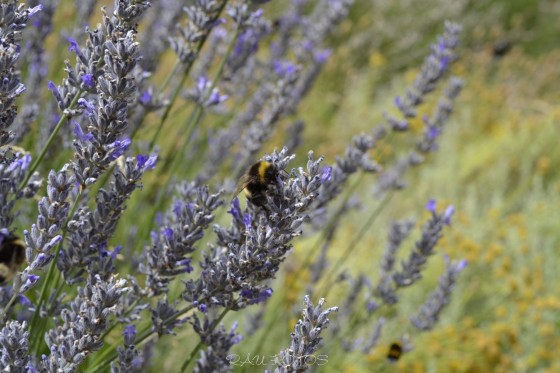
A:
<point x="88" y="80"/>
<point x="175" y="240"/>
<point x="53" y="213"/>
<point x="430" y="311"/>
<point x="12" y="174"/>
<point x="145" y="163"/>
<point x="205" y="94"/>
<point x="36" y="58"/>
<point x="433" y="69"/>
<point x="251" y="28"/>
<point x="145" y="98"/>
<point x="74" y="47"/>
<point x="449" y="211"/>
<point x="14" y="346"/>
<point x="254" y="297"/>
<point x="162" y="318"/>
<point x="235" y="210"/>
<point x="16" y="18"/>
<point x="385" y="288"/>
<point x="202" y="18"/>
<point x="431" y="233"/>
<point x="431" y="206"/>
<point x="84" y="137"/>
<point x="28" y="281"/>
<point x="355" y="158"/>
<point x="110" y="120"/>
<point x="219" y="342"/>
<point x="435" y="125"/>
<point x="245" y="256"/>
<point x="97" y="300"/>
<point x="305" y="338"/>
<point x="91" y="230"/>
<point x="129" y="358"/>
<point x="24" y="301"/>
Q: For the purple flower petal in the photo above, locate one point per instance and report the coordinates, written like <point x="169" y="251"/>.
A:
<point x="431" y="205"/>
<point x="88" y="80"/>
<point x="74" y="47"/>
<point x="448" y="214"/>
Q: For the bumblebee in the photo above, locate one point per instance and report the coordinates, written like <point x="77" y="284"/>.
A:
<point x="259" y="180"/>
<point x="12" y="254"/>
<point x="501" y="48"/>
<point x="395" y="351"/>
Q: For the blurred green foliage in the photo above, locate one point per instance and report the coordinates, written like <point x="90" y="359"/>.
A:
<point x="495" y="164"/>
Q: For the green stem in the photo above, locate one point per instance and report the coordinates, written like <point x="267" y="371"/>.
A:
<point x="199" y="345"/>
<point x="161" y="89"/>
<point x="10" y="303"/>
<point x="171" y="74"/>
<point x="168" y="108"/>
<point x="195" y="117"/>
<point x="110" y="354"/>
<point x="174" y="163"/>
<point x="53" y="135"/>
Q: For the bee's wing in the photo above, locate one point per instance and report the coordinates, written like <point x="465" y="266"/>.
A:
<point x="241" y="184"/>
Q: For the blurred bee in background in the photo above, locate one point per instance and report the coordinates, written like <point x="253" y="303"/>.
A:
<point x="501" y="48"/>
<point x="12" y="255"/>
<point x="260" y="179"/>
<point x="395" y="351"/>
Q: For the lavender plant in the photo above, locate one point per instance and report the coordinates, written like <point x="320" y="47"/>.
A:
<point x="90" y="300"/>
<point x="305" y="338"/>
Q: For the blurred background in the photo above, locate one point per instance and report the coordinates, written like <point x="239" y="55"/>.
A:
<point x="497" y="164"/>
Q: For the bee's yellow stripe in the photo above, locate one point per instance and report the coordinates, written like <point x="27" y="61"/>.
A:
<point x="263" y="166"/>
<point x="19" y="242"/>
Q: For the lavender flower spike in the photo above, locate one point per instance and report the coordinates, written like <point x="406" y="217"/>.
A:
<point x="431" y="233"/>
<point x="219" y="342"/>
<point x="13" y="20"/>
<point x="53" y="212"/>
<point x="433" y="69"/>
<point x="130" y="359"/>
<point x="245" y="256"/>
<point x="430" y="311"/>
<point x="12" y="173"/>
<point x="14" y="347"/>
<point x="305" y="338"/>
<point x="385" y="288"/>
<point x="81" y="325"/>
